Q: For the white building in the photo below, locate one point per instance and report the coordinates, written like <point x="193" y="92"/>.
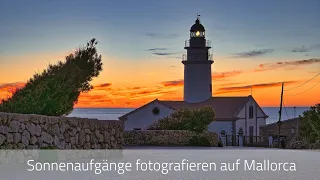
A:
<point x="231" y="113"/>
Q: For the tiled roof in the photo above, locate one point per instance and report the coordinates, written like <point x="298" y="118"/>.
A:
<point x="225" y="107"/>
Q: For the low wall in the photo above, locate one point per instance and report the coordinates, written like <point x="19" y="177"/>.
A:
<point x="165" y="137"/>
<point x="28" y="131"/>
<point x="285" y="128"/>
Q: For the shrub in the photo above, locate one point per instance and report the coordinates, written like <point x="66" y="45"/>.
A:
<point x="199" y="141"/>
<point x="220" y="144"/>
<point x="55" y="91"/>
<point x="196" y="120"/>
<point x="310" y="124"/>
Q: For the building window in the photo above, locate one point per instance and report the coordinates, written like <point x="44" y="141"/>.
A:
<point x="251" y="112"/>
<point x="155" y="111"/>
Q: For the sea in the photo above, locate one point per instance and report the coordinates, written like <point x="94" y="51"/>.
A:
<point x="115" y="113"/>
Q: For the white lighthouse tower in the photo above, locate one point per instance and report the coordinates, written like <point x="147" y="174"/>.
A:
<point x="197" y="66"/>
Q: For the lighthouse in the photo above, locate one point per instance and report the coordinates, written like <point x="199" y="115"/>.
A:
<point x="197" y="65"/>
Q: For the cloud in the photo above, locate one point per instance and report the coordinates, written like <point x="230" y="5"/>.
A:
<point x="281" y="64"/>
<point x="157" y="49"/>
<point x="104" y="85"/>
<point x="136" y="88"/>
<point x="230" y="89"/>
<point x="300" y="49"/>
<point x="7" y="89"/>
<point x="230" y="84"/>
<point x="303" y="49"/>
<point x="215" y="76"/>
<point x="163" y="53"/>
<point x="173" y="83"/>
<point x="224" y="75"/>
<point x="253" y="53"/>
<point x="159" y="35"/>
<point x="12" y="85"/>
<point x="118" y="97"/>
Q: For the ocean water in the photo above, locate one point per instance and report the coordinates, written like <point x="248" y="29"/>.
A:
<point x="115" y="113"/>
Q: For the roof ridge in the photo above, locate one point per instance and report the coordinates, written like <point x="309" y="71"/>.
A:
<point x="171" y="101"/>
<point x="231" y="96"/>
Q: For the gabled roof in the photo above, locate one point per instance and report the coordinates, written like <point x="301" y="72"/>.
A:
<point x="225" y="107"/>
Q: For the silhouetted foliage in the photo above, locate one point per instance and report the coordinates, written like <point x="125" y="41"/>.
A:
<point x="55" y="91"/>
<point x="310" y="124"/>
<point x="186" y="119"/>
<point x="199" y="141"/>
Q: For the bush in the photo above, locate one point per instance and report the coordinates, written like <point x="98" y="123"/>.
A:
<point x="310" y="124"/>
<point x="220" y="144"/>
<point x="199" y="141"/>
<point x="55" y="91"/>
<point x="196" y="120"/>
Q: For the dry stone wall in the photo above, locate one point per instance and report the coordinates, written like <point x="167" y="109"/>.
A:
<point x="28" y="131"/>
<point x="165" y="137"/>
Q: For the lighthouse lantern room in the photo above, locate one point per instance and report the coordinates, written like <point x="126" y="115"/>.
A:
<point x="197" y="65"/>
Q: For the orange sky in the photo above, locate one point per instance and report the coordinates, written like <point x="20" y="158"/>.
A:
<point x="132" y="84"/>
<point x="256" y="44"/>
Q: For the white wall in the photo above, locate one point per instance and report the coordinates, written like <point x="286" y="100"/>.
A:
<point x="256" y="121"/>
<point x="218" y="126"/>
<point x="240" y="123"/>
<point x="144" y="116"/>
<point x="261" y="122"/>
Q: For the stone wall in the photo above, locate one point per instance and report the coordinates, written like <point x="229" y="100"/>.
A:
<point x="165" y="137"/>
<point x="28" y="131"/>
<point x="285" y="128"/>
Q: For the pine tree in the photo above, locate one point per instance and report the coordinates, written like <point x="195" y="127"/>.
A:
<point x="55" y="91"/>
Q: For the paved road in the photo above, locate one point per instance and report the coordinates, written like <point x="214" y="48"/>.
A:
<point x="156" y="163"/>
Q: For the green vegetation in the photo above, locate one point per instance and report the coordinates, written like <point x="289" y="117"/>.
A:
<point x="310" y="124"/>
<point x="199" y="141"/>
<point x="55" y="91"/>
<point x="196" y="120"/>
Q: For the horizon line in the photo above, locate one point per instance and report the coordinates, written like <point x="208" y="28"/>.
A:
<point x="139" y="106"/>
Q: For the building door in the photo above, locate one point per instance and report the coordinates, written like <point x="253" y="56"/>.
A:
<point x="251" y="134"/>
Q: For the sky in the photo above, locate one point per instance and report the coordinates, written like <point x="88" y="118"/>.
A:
<point x="255" y="43"/>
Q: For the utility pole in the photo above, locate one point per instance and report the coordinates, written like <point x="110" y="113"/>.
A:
<point x="279" y="122"/>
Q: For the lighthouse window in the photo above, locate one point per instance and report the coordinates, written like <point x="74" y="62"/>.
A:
<point x="155" y="111"/>
<point x="250" y="112"/>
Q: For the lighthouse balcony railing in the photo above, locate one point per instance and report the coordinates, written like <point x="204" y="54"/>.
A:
<point x="185" y="57"/>
<point x="207" y="44"/>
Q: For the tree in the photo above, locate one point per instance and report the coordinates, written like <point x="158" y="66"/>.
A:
<point x="310" y="124"/>
<point x="196" y="120"/>
<point x="55" y="91"/>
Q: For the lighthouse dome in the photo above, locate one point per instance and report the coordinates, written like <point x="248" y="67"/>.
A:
<point x="197" y="26"/>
